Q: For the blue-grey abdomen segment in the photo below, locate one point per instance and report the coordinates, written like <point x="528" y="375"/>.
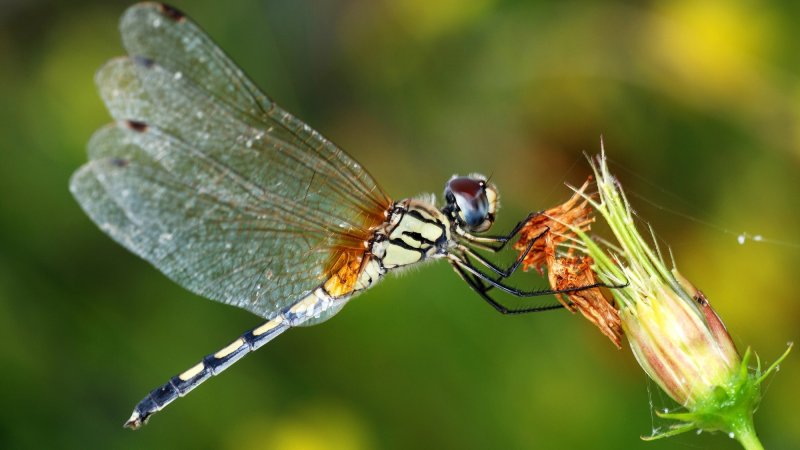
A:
<point x="211" y="365"/>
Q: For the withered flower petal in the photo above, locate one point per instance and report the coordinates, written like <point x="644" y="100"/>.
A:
<point x="555" y="228"/>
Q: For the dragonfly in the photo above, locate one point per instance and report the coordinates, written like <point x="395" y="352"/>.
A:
<point x="206" y="178"/>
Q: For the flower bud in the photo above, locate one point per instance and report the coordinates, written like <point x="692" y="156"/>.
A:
<point x="674" y="333"/>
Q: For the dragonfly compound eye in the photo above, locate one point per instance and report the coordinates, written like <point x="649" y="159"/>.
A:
<point x="474" y="200"/>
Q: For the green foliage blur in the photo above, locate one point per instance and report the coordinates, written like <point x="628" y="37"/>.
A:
<point x="699" y="106"/>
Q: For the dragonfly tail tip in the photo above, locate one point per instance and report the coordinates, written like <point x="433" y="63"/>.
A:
<point x="136" y="421"/>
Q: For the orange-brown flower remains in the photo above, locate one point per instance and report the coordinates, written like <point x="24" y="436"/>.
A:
<point x="564" y="269"/>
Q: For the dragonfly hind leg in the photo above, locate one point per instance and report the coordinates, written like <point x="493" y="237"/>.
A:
<point x="483" y="283"/>
<point x="482" y="289"/>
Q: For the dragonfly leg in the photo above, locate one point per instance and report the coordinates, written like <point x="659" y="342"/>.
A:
<point x="504" y="273"/>
<point x="466" y="265"/>
<point x="482" y="289"/>
<point x="497" y="243"/>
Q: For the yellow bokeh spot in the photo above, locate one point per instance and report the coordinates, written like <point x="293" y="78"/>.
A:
<point x="314" y="426"/>
<point x="712" y="47"/>
<point x="427" y="19"/>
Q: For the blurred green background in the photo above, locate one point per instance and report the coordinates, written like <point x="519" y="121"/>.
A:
<point x="699" y="106"/>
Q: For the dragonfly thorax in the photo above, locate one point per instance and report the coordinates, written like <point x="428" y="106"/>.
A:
<point x="414" y="231"/>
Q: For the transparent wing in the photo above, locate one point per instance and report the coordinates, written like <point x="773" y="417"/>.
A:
<point x="230" y="252"/>
<point x="179" y="47"/>
<point x="211" y="182"/>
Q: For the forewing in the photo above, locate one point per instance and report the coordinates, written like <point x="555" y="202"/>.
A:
<point x="178" y="46"/>
<point x="193" y="136"/>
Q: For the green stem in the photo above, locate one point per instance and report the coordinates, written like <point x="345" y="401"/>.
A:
<point x="746" y="436"/>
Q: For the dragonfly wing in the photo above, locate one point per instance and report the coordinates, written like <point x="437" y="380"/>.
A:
<point x="214" y="247"/>
<point x="207" y="179"/>
<point x="180" y="48"/>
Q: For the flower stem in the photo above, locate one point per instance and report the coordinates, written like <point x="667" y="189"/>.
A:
<point x="746" y="436"/>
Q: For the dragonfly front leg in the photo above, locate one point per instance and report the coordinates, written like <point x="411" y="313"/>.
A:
<point x="497" y="243"/>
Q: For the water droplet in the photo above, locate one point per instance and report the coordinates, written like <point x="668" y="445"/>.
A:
<point x="777" y="368"/>
<point x="731" y="435"/>
<point x="177" y="76"/>
<point x="666" y="410"/>
<point x="249" y="143"/>
<point x="698" y="431"/>
<point x="228" y="246"/>
<point x="741" y="238"/>
<point x="758" y="238"/>
<point x="258" y="287"/>
<point x="164" y="238"/>
<point x="199" y="114"/>
<point x="156" y="23"/>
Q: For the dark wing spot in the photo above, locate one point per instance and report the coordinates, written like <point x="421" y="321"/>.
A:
<point x="171" y="12"/>
<point x="118" y="162"/>
<point x="143" y="61"/>
<point x="135" y="125"/>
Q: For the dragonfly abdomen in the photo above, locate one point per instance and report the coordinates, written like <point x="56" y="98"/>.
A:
<point x="211" y="365"/>
<point x="311" y="307"/>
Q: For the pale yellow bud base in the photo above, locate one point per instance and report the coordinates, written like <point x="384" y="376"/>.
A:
<point x="728" y="408"/>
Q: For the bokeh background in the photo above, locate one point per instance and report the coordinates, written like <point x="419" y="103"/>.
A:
<point x="699" y="106"/>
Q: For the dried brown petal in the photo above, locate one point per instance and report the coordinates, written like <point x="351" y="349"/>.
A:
<point x="573" y="272"/>
<point x="574" y="212"/>
<point x="566" y="271"/>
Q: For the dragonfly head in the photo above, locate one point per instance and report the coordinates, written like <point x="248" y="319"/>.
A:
<point x="472" y="201"/>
